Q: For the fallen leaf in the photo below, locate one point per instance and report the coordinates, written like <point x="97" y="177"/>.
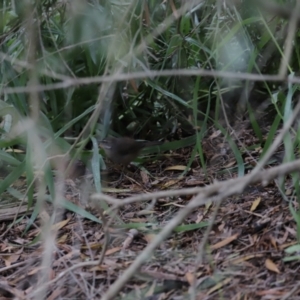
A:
<point x="255" y="204"/>
<point x="270" y="265"/>
<point x="132" y="233"/>
<point x="177" y="168"/>
<point x="60" y="224"/>
<point x="114" y="190"/>
<point x="113" y="250"/>
<point x="225" y="242"/>
<point x="92" y="246"/>
<point x="219" y="285"/>
<point x="9" y="259"/>
<point x="215" y="134"/>
<point x="139" y="220"/>
<point x="273" y="242"/>
<point x="145" y="177"/>
<point x="149" y="237"/>
<point x="271" y="292"/>
<point x="190" y="277"/>
<point x="230" y="164"/>
<point x="63" y="239"/>
<point x="239" y="260"/>
<point x="171" y="182"/>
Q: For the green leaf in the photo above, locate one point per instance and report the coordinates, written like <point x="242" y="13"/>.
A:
<point x="74" y="121"/>
<point x="78" y="210"/>
<point x="189" y="227"/>
<point x="12" y="177"/>
<point x="4" y="156"/>
<point x="29" y="174"/>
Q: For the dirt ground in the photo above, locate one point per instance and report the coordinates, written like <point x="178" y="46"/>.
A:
<point x="244" y="256"/>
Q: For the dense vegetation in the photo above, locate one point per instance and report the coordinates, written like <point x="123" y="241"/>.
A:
<point x="73" y="72"/>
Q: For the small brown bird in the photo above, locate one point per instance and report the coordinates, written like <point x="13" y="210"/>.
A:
<point x="124" y="150"/>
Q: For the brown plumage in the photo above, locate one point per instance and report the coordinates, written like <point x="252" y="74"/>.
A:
<point x="124" y="150"/>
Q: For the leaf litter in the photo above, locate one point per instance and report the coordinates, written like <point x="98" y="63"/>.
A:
<point x="244" y="257"/>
